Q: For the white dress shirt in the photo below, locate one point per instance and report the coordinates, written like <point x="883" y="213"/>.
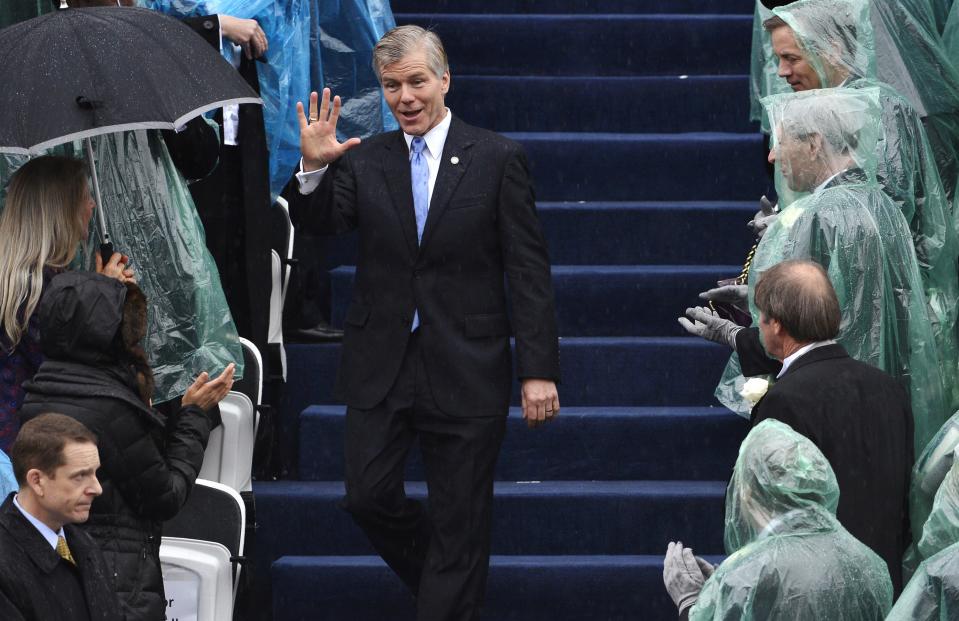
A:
<point x="44" y="530"/>
<point x="435" y="141"/>
<point x="791" y="358"/>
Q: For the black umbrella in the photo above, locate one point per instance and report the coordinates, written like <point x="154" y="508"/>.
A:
<point x="78" y="73"/>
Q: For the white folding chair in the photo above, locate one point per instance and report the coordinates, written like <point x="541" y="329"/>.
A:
<point x="197" y="579"/>
<point x="229" y="452"/>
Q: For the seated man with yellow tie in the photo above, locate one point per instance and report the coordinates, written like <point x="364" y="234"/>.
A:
<point x="49" y="568"/>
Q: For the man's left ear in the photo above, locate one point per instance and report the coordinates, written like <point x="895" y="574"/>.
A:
<point x="446" y="82"/>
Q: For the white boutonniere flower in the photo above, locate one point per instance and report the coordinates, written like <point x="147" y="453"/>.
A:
<point x="754" y="389"/>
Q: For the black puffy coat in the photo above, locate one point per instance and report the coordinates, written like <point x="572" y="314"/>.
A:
<point x="148" y="463"/>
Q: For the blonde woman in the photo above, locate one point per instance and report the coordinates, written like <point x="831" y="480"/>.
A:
<point x="45" y="217"/>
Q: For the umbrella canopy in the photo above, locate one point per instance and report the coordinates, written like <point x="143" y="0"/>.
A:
<point x="77" y="73"/>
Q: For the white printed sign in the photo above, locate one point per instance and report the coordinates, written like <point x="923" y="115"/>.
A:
<point x="182" y="588"/>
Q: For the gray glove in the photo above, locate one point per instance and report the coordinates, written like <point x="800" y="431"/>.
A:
<point x="682" y="576"/>
<point x="737" y="295"/>
<point x="710" y="326"/>
<point x="764" y="218"/>
<point x="706" y="567"/>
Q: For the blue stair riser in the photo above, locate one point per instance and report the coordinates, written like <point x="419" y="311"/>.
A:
<point x="596" y="45"/>
<point x="592" y="588"/>
<point x="646" y="167"/>
<point x="695" y="233"/>
<point x="572" y="6"/>
<point x="582" y="444"/>
<point x="547" y="518"/>
<point x="611" y="104"/>
<point x="595" y="372"/>
<point x="603" y="301"/>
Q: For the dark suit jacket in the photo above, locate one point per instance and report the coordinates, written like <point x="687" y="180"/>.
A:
<point x="37" y="585"/>
<point x="482" y="225"/>
<point x="860" y="418"/>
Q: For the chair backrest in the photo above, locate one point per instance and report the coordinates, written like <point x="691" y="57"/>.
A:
<point x="197" y="579"/>
<point x="213" y="512"/>
<point x="229" y="451"/>
<point x="275" y="330"/>
<point x="285" y="236"/>
<point x="251" y="384"/>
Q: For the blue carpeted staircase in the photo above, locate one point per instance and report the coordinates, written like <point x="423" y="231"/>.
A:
<point x="633" y="113"/>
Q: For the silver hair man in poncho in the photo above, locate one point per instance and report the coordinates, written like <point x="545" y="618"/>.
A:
<point x="825" y="148"/>
<point x="789" y="556"/>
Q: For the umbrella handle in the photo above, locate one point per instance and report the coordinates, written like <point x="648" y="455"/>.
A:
<point x="106" y="251"/>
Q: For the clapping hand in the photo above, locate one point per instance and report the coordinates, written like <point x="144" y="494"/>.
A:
<point x="710" y="326"/>
<point x="205" y="392"/>
<point x="682" y="575"/>
<point x="735" y="295"/>
<point x="318" y="143"/>
<point x="764" y="218"/>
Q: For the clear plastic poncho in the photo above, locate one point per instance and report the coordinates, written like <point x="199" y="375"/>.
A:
<point x="789" y="556"/>
<point x="932" y="593"/>
<point x="152" y="219"/>
<point x="824" y="142"/>
<point x="311" y="45"/>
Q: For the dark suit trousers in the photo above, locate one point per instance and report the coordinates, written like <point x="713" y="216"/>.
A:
<point x="441" y="554"/>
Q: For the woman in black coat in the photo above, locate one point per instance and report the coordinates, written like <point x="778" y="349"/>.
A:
<point x="95" y="371"/>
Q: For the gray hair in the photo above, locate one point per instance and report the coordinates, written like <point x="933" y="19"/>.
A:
<point x="402" y="40"/>
<point x="799" y="295"/>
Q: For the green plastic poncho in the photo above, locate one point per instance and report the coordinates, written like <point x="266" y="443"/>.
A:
<point x="789" y="556"/>
<point x="932" y="594"/>
<point x="850" y="227"/>
<point x="934" y="465"/>
<point x="152" y="219"/>
<point x="15" y="11"/>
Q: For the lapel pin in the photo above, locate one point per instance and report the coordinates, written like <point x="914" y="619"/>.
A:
<point x="454" y="160"/>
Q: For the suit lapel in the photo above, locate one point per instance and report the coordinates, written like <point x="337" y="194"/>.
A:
<point x="457" y="147"/>
<point x="396" y="168"/>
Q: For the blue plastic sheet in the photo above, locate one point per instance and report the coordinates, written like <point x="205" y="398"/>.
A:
<point x="311" y="45"/>
<point x="8" y="482"/>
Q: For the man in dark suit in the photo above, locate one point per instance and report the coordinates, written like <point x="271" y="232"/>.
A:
<point x="444" y="211"/>
<point x="49" y="568"/>
<point x="857" y="415"/>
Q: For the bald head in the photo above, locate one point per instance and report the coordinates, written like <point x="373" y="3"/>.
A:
<point x="799" y="295"/>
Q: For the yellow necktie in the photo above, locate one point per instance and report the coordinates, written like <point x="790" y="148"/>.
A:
<point x="64" y="550"/>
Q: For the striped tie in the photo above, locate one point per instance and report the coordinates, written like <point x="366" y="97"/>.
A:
<point x="420" y="173"/>
<point x="64" y="550"/>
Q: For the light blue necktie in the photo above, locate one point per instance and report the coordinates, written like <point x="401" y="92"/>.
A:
<point x="420" y="173"/>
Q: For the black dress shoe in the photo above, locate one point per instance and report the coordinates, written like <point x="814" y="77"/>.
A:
<point x="320" y="333"/>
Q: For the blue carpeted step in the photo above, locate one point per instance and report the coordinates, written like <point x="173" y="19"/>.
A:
<point x="572" y="6"/>
<point x="584" y="443"/>
<point x="630" y="233"/>
<point x="595" y="300"/>
<point x="645" y="167"/>
<point x="602" y="104"/>
<point x="520" y="588"/>
<point x="592" y="44"/>
<point x="617" y="371"/>
<point x="551" y="517"/>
